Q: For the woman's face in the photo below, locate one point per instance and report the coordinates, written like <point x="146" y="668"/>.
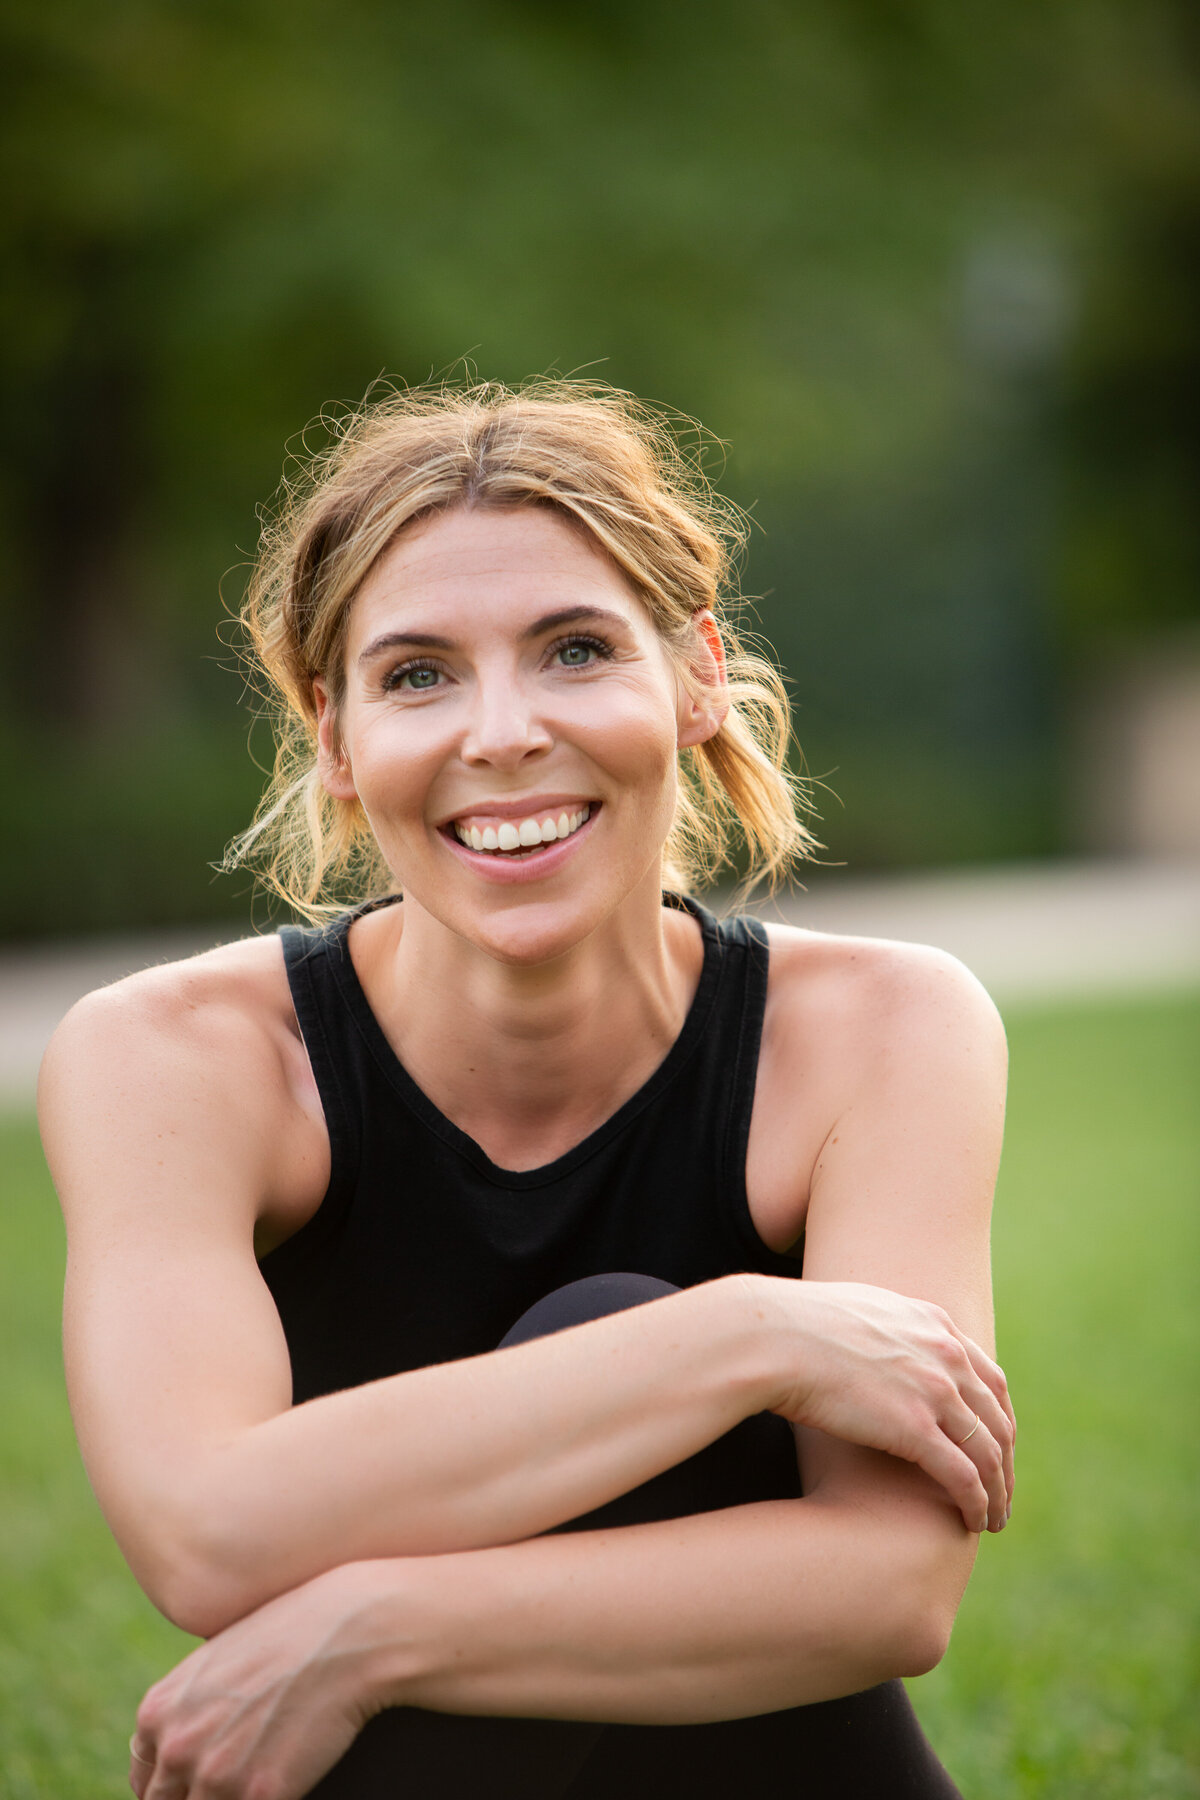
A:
<point x="510" y="728"/>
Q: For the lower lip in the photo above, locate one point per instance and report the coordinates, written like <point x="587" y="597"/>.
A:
<point x="507" y="869"/>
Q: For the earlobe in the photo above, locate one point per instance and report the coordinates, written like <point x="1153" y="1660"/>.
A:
<point x="701" y="719"/>
<point x="333" y="765"/>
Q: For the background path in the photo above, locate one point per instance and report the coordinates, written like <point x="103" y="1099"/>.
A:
<point x="1031" y="933"/>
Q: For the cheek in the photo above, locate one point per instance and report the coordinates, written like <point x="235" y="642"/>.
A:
<point x="649" y="757"/>
<point x="397" y="748"/>
<point x="391" y="777"/>
<point x="633" y="729"/>
<point x="636" y="748"/>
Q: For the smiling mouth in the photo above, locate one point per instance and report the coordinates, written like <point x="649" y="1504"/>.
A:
<point x="517" y="838"/>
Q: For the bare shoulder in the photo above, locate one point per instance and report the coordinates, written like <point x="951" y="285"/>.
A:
<point x="203" y="1053"/>
<point x="228" y="1003"/>
<point x="873" y="997"/>
<point x="870" y="1029"/>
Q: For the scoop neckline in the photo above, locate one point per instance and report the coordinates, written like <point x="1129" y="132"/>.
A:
<point x="354" y="996"/>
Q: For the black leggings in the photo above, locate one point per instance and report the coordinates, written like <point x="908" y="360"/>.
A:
<point x="868" y="1744"/>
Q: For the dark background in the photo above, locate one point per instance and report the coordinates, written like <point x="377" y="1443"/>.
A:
<point x="928" y="268"/>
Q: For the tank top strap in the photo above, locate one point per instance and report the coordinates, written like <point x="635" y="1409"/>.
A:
<point x="725" y="1089"/>
<point x="335" y="1056"/>
<point x="748" y="1004"/>
<point x="687" y="1128"/>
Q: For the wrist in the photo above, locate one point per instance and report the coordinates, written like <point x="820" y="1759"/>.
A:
<point x="410" y="1624"/>
<point x="381" y="1641"/>
<point x="761" y="1357"/>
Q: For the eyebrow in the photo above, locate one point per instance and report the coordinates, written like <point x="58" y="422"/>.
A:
<point x="428" y="640"/>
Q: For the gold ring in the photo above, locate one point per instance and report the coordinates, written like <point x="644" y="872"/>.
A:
<point x="148" y="1760"/>
<point x="975" y="1427"/>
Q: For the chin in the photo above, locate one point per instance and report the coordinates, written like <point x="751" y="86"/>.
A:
<point x="526" y="933"/>
<point x="521" y="929"/>
<point x="525" y="925"/>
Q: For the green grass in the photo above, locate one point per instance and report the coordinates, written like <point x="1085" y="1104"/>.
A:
<point x="1073" y="1671"/>
<point x="78" y="1641"/>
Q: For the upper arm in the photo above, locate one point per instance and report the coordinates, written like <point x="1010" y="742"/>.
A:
<point x="901" y="1192"/>
<point x="157" y="1118"/>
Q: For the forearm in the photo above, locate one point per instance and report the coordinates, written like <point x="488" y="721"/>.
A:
<point x="720" y="1615"/>
<point x="482" y="1452"/>
<point x="709" y="1617"/>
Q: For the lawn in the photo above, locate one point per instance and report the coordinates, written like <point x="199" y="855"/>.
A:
<point x="1073" y="1671"/>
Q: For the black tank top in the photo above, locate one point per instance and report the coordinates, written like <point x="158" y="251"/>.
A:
<point x="423" y="1250"/>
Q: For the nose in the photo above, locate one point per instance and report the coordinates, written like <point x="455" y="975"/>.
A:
<point x="504" y="728"/>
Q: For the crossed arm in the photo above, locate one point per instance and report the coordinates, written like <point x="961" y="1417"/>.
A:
<point x="374" y="1559"/>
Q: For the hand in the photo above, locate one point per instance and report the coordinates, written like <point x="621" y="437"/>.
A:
<point x="266" y="1707"/>
<point x="876" y="1368"/>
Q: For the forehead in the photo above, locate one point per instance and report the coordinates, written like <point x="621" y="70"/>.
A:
<point x="489" y="565"/>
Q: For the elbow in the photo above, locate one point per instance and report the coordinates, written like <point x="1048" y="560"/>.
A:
<point x="905" y="1641"/>
<point x="198" y="1598"/>
<point x="923" y="1640"/>
<point x="927" y="1587"/>
<point x="196" y="1581"/>
<point x="909" y="1633"/>
<point x="922" y="1620"/>
<point x="866" y="1649"/>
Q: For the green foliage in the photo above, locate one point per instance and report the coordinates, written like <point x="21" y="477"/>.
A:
<point x="126" y="833"/>
<point x="1072" y="1672"/>
<point x="929" y="268"/>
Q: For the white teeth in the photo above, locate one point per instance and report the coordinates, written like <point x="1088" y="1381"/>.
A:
<point x="525" y="835"/>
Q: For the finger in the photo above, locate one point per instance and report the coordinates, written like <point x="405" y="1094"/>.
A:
<point x="998" y="1419"/>
<point x="992" y="1376"/>
<point x="981" y="1440"/>
<point x="141" y="1764"/>
<point x="957" y="1473"/>
<point x="996" y="1408"/>
<point x="166" y="1783"/>
<point x="1000" y="1425"/>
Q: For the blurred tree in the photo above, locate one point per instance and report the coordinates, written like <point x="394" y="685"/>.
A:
<point x="929" y="266"/>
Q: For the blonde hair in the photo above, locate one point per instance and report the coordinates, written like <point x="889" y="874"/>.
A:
<point x="616" y="469"/>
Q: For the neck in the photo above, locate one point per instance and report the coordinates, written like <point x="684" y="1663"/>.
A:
<point x="529" y="1058"/>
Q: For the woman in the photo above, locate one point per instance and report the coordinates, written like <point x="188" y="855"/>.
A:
<point x="397" y="1245"/>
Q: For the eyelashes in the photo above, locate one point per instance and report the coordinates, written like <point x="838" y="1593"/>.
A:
<point x="419" y="666"/>
<point x="400" y="679"/>
<point x="582" y="641"/>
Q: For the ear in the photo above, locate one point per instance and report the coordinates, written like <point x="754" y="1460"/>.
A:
<point x="333" y="765"/>
<point x="701" y="719"/>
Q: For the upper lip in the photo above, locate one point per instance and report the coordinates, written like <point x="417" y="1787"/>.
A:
<point x="535" y="807"/>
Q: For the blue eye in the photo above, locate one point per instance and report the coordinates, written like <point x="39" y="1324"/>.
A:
<point x="581" y="652"/>
<point x="412" y="678"/>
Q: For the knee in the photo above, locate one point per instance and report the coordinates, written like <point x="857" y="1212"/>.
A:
<point x="595" y="1297"/>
